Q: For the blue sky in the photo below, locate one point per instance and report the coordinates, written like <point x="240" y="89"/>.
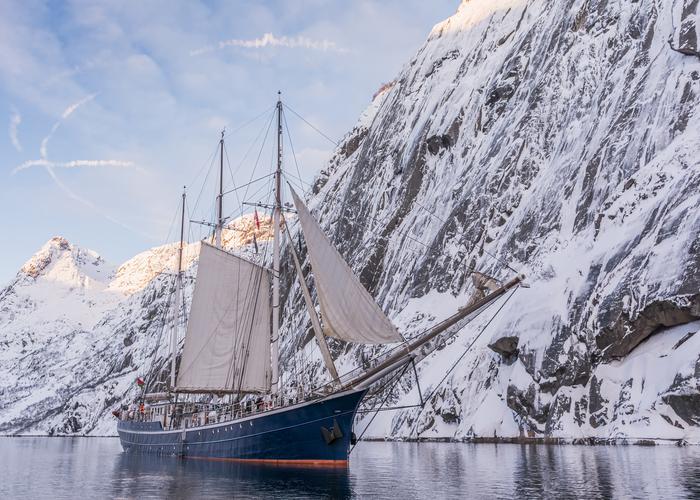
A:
<point x="110" y="107"/>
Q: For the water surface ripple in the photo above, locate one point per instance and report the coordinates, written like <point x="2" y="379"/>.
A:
<point x="97" y="468"/>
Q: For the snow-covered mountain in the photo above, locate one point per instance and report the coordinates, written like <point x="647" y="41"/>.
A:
<point x="557" y="138"/>
<point x="75" y="332"/>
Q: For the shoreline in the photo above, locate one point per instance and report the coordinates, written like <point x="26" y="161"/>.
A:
<point x="547" y="441"/>
<point x="559" y="441"/>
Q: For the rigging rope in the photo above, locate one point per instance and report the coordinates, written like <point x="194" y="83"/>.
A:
<point x="332" y="141"/>
<point x="386" y="397"/>
<point x="471" y="344"/>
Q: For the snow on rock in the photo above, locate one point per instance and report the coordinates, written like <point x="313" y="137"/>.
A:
<point x="75" y="332"/>
<point x="560" y="138"/>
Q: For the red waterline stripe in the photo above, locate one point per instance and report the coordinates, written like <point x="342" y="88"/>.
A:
<point x="274" y="461"/>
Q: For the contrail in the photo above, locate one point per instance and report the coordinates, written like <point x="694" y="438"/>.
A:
<point x="50" y="166"/>
<point x="270" y="40"/>
<point x="71" y="109"/>
<point x="66" y="113"/>
<point x="45" y="140"/>
<point x="15" y="120"/>
<point x="71" y="164"/>
<point x="72" y="195"/>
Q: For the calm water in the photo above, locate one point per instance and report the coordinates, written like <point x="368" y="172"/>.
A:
<point x="96" y="468"/>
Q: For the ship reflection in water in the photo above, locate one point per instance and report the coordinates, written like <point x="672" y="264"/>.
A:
<point x="97" y="468"/>
<point x="173" y="478"/>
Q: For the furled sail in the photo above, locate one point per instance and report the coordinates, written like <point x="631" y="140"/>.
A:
<point x="348" y="311"/>
<point x="227" y="346"/>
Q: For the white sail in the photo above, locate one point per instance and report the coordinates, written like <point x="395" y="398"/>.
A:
<point x="227" y="346"/>
<point x="348" y="311"/>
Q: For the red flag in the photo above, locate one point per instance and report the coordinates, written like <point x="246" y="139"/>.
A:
<point x="140" y="382"/>
<point x="255" y="218"/>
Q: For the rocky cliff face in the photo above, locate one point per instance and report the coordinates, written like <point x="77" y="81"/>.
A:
<point x="557" y="138"/>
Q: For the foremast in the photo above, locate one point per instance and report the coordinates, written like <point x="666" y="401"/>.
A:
<point x="220" y="198"/>
<point x="178" y="295"/>
<point x="276" y="216"/>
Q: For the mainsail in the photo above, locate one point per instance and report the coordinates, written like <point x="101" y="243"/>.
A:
<point x="227" y="346"/>
<point x="348" y="311"/>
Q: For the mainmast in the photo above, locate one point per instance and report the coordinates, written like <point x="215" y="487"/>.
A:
<point x="178" y="295"/>
<point x="220" y="198"/>
<point x="276" y="216"/>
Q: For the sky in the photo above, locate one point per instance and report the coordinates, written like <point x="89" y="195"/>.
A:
<point x="110" y="107"/>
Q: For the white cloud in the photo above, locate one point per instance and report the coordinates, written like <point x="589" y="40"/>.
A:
<point x="270" y="40"/>
<point x="15" y="120"/>
<point x="72" y="164"/>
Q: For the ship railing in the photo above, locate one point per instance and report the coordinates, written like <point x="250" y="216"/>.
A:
<point x="201" y="413"/>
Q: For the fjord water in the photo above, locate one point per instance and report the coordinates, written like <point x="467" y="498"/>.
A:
<point x="97" y="468"/>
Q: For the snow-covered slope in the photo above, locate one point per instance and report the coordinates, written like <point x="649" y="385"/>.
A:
<point x="75" y="332"/>
<point x="558" y="138"/>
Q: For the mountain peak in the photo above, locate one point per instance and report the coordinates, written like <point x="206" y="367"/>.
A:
<point x="472" y="12"/>
<point x="58" y="249"/>
<point x="41" y="260"/>
<point x="58" y="242"/>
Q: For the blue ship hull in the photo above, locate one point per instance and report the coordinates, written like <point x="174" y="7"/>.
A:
<point x="295" y="434"/>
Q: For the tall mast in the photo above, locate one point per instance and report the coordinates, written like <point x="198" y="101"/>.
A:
<point x="220" y="198"/>
<point x="274" y="351"/>
<point x="178" y="295"/>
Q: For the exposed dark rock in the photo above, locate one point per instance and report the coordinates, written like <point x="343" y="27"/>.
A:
<point x="682" y="341"/>
<point x="319" y="182"/>
<point x="526" y="406"/>
<point x="684" y="397"/>
<point x="597" y="406"/>
<point x="450" y="415"/>
<point x="623" y="406"/>
<point x="627" y="332"/>
<point x="688" y="35"/>
<point x="686" y="51"/>
<point x="507" y="347"/>
<point x="349" y="147"/>
<point x="561" y="406"/>
<point x="438" y="142"/>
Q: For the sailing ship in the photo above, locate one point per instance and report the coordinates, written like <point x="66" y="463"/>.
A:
<point x="224" y="400"/>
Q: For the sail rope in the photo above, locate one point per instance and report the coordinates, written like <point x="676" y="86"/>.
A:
<point x="376" y="235"/>
<point x="461" y="357"/>
<point x="332" y="141"/>
<point x="420" y="205"/>
<point x="425" y="400"/>
<point x="386" y="398"/>
<point x="164" y="313"/>
<point x="255" y="284"/>
<point x="291" y="145"/>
